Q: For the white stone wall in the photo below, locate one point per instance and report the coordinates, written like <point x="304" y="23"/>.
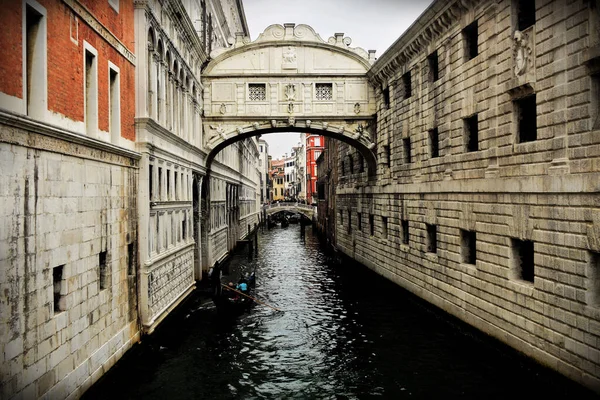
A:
<point x="62" y="205"/>
<point x="544" y="191"/>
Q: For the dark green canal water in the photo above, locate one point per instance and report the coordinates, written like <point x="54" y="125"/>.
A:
<point x="344" y="333"/>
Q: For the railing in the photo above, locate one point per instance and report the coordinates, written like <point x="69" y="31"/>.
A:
<point x="290" y="204"/>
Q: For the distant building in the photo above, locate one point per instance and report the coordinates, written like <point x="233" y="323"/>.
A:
<point x="278" y="178"/>
<point x="314" y="147"/>
<point x="263" y="166"/>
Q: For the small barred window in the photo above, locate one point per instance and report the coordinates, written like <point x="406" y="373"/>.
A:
<point x="324" y="91"/>
<point x="257" y="92"/>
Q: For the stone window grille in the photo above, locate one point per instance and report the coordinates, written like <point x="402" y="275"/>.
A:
<point x="468" y="247"/>
<point x="103" y="270"/>
<point x="324" y="91"/>
<point x="257" y="92"/>
<point x="58" y="283"/>
<point x="593" y="275"/>
<point x="470" y="35"/>
<point x="434" y="143"/>
<point x="431" y="238"/>
<point x="522" y="259"/>
<point x="406" y="150"/>
<point x="525" y="110"/>
<point x="405" y="231"/>
<point x="471" y="133"/>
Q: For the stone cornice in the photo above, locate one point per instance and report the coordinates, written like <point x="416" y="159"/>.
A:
<point x="431" y="24"/>
<point x="37" y="127"/>
<point x="100" y="29"/>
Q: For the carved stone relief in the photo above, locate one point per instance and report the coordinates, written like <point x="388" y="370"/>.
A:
<point x="522" y="52"/>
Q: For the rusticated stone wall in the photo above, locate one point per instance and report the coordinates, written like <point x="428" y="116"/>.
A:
<point x="68" y="232"/>
<point x="495" y="216"/>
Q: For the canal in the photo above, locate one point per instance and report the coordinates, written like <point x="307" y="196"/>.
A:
<point x="343" y="333"/>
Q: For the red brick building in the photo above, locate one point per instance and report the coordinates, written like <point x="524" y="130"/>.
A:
<point x="63" y="63"/>
<point x="314" y="147"/>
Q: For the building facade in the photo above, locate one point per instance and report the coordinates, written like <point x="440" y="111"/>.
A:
<point x="278" y="178"/>
<point x="314" y="148"/>
<point x="486" y="197"/>
<point x="263" y="165"/>
<point x="68" y="172"/>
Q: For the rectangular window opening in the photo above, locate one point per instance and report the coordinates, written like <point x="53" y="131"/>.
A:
<point x="159" y="183"/>
<point x="349" y="221"/>
<point x="359" y="221"/>
<point x="386" y="98"/>
<point x="525" y="14"/>
<point x="406" y="85"/>
<point x="341" y="217"/>
<point x="57" y="288"/>
<point x="384" y="227"/>
<point x="361" y="163"/>
<point x="405" y="232"/>
<point x="431" y="238"/>
<point x="522" y="260"/>
<point x="323" y="91"/>
<point x="406" y="150"/>
<point x="35" y="42"/>
<point x="176" y="184"/>
<point x="432" y="61"/>
<point x="595" y="101"/>
<point x="351" y="163"/>
<point x="184" y="228"/>
<point x="168" y="184"/>
<point x="470" y="35"/>
<point x="115" y="107"/>
<point x="91" y="93"/>
<point x="471" y="129"/>
<point x="150" y="182"/>
<point x="468" y="246"/>
<point x="527" y="119"/>
<point x="434" y="146"/>
<point x="371" y="225"/>
<point x="257" y="92"/>
<point x="593" y="289"/>
<point x="103" y="272"/>
<point x="130" y="259"/>
<point x="387" y="155"/>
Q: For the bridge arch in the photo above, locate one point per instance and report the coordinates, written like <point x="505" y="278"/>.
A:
<point x="358" y="139"/>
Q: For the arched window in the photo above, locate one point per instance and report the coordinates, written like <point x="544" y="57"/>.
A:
<point x="149" y="71"/>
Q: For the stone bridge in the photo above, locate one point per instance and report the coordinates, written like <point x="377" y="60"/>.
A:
<point x="290" y="80"/>
<point x="307" y="210"/>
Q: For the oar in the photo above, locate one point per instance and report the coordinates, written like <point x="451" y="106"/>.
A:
<point x="250" y="297"/>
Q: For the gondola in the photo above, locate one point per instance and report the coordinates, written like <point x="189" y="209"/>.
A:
<point x="234" y="302"/>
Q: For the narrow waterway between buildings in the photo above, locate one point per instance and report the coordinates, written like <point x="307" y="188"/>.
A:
<point x="344" y="333"/>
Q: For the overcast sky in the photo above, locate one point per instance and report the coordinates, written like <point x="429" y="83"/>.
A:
<point x="371" y="24"/>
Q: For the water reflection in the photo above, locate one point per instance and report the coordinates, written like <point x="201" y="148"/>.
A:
<point x="345" y="333"/>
